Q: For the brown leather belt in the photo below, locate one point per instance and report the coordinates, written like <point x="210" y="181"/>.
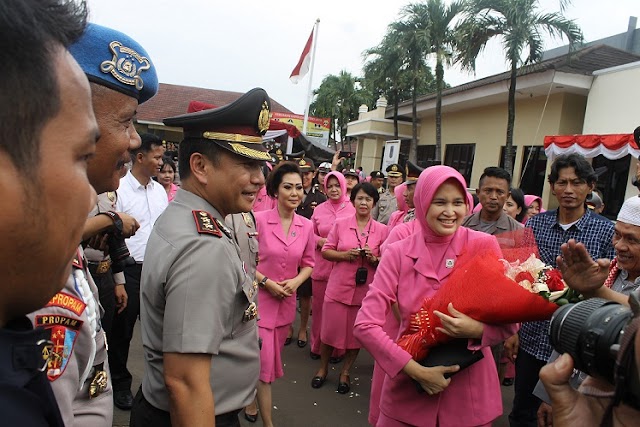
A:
<point x="101" y="267"/>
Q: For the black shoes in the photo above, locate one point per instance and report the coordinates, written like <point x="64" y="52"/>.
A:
<point x="302" y="344"/>
<point x="287" y="341"/>
<point x="344" y="387"/>
<point x="314" y="356"/>
<point x="251" y="418"/>
<point x="507" y="382"/>
<point x="123" y="399"/>
<point x="317" y="382"/>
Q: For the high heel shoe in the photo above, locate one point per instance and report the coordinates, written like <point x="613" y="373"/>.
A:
<point x="251" y="418"/>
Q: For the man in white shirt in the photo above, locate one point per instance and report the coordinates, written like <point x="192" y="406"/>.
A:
<point x="144" y="199"/>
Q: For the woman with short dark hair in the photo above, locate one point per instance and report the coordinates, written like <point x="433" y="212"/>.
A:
<point x="353" y="245"/>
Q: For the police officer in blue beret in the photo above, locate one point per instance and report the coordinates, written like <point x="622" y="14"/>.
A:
<point x="121" y="76"/>
<point x="47" y="131"/>
<point x="197" y="311"/>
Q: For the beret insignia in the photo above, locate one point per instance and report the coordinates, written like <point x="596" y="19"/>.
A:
<point x="394" y="168"/>
<point x="206" y="223"/>
<point x="126" y="65"/>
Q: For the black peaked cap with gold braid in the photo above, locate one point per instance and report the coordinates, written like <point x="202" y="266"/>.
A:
<point x="237" y="127"/>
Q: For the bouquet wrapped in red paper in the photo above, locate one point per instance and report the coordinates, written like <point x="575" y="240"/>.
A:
<point x="515" y="288"/>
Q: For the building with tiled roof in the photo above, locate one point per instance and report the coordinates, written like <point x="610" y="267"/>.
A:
<point x="172" y="100"/>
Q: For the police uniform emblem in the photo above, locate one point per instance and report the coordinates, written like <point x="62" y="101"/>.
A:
<point x="394" y="168"/>
<point x="264" y="118"/>
<point x="246" y="216"/>
<point x="64" y="332"/>
<point x="206" y="224"/>
<point x="250" y="313"/>
<point x="111" y="195"/>
<point x="302" y="162"/>
<point x="126" y="65"/>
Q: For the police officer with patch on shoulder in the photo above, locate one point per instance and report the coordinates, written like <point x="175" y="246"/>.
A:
<point x="388" y="203"/>
<point x="198" y="319"/>
<point x="121" y="77"/>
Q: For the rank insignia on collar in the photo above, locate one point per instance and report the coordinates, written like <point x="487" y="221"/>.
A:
<point x="126" y="65"/>
<point x="206" y="223"/>
<point x="247" y="219"/>
<point x="111" y="195"/>
<point x="224" y="228"/>
<point x="78" y="260"/>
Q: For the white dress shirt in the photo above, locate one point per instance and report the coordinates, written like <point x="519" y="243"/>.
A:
<point x="145" y="204"/>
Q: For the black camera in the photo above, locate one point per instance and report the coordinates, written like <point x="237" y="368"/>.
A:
<point x="592" y="331"/>
<point x="361" y="275"/>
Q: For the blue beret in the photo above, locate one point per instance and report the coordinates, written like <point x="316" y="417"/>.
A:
<point x="113" y="59"/>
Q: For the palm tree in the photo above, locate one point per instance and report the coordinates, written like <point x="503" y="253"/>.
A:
<point x="338" y="97"/>
<point x="520" y="25"/>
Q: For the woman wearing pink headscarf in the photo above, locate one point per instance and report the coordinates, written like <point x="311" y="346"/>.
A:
<point x="397" y="217"/>
<point x="323" y="218"/>
<point x="533" y="204"/>
<point x="410" y="271"/>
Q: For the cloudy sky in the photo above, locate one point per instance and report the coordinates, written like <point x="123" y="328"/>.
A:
<point x="238" y="45"/>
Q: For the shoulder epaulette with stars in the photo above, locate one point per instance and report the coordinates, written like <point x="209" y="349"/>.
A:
<point x="206" y="223"/>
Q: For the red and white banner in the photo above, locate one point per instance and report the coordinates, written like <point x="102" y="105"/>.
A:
<point x="611" y="146"/>
<point x="302" y="68"/>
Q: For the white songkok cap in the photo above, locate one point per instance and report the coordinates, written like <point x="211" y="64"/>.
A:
<point x="630" y="211"/>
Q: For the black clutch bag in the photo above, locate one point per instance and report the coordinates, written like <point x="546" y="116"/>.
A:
<point x="454" y="352"/>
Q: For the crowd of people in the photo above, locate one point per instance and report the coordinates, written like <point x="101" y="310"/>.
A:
<point x="216" y="266"/>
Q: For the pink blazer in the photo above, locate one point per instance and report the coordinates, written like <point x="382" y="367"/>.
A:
<point x="344" y="235"/>
<point x="402" y="231"/>
<point x="404" y="275"/>
<point x="263" y="201"/>
<point x="280" y="258"/>
<point x="323" y="219"/>
<point x="395" y="219"/>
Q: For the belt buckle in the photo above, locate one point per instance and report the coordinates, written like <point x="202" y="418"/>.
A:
<point x="98" y="384"/>
<point x="103" y="266"/>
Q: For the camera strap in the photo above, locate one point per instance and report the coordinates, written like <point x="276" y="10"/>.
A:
<point x="366" y="240"/>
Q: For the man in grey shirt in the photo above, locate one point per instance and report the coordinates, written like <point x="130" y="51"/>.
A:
<point x="197" y="311"/>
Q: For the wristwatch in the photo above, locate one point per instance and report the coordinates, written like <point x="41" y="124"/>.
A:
<point x="263" y="282"/>
<point x="117" y="221"/>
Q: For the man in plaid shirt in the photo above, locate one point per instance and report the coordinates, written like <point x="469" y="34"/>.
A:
<point x="572" y="178"/>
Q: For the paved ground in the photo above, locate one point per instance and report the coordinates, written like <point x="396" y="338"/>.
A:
<point x="296" y="403"/>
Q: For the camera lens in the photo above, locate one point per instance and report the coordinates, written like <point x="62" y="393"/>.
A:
<point x="589" y="332"/>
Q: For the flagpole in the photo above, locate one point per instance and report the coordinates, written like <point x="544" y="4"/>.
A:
<point x="313" y="63"/>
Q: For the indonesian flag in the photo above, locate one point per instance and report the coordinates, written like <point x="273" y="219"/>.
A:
<point x="302" y="68"/>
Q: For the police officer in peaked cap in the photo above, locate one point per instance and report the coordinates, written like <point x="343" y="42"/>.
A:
<point x="197" y="312"/>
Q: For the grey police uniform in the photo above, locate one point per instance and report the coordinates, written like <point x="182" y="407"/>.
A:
<point x="78" y="361"/>
<point x="100" y="266"/>
<point x="387" y="205"/>
<point x="243" y="226"/>
<point x="195" y="299"/>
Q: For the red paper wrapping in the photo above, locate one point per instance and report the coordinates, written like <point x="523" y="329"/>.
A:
<point x="479" y="289"/>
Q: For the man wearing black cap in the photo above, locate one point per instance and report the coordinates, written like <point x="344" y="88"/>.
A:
<point x="121" y="76"/>
<point x="412" y="172"/>
<point x="44" y="189"/>
<point x="388" y="203"/>
<point x="312" y="198"/>
<point x="198" y="322"/>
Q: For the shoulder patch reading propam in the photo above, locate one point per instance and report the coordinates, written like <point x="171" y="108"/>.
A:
<point x="206" y="223"/>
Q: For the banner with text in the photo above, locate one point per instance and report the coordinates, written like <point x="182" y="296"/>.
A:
<point x="318" y="128"/>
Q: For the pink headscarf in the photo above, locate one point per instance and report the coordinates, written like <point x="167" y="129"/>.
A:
<point x="428" y="183"/>
<point x="343" y="187"/>
<point x="530" y="198"/>
<point x="399" y="192"/>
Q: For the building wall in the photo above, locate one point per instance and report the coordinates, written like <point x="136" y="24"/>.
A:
<point x="613" y="107"/>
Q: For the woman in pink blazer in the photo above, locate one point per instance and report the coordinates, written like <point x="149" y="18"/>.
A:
<point x="323" y="218"/>
<point x="285" y="247"/>
<point x="353" y="245"/>
<point x="410" y="271"/>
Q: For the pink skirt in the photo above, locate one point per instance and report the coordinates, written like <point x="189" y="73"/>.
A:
<point x="384" y="421"/>
<point x="337" y="324"/>
<point x="270" y="353"/>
